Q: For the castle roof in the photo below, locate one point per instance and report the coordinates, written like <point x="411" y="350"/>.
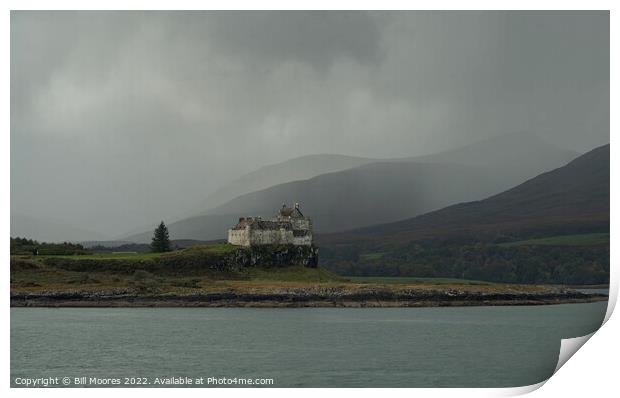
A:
<point x="258" y="223"/>
<point x="283" y="220"/>
<point x="292" y="212"/>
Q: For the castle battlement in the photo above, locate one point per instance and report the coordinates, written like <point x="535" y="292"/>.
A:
<point x="288" y="227"/>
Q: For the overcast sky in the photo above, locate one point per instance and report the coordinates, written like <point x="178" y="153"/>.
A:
<point x="120" y="119"/>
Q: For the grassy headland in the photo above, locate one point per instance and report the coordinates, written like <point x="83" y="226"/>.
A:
<point x="204" y="276"/>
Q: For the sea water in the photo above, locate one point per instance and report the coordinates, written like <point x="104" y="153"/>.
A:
<point x="302" y="347"/>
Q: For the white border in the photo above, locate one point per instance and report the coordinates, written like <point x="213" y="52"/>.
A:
<point x="309" y="5"/>
<point x="592" y="373"/>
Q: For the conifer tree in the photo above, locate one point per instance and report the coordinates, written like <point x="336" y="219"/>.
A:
<point x="161" y="240"/>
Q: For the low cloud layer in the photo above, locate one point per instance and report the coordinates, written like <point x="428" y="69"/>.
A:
<point x="120" y="119"/>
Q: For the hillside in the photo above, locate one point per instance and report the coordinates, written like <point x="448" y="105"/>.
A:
<point x="366" y="195"/>
<point x="300" y="168"/>
<point x="516" y="156"/>
<point x="528" y="156"/>
<point x="553" y="228"/>
<point x="570" y="199"/>
<point x="383" y="192"/>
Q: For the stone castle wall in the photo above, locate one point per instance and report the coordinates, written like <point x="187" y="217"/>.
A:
<point x="301" y="224"/>
<point x="251" y="237"/>
<point x="239" y="237"/>
<point x="302" y="240"/>
<point x="271" y="237"/>
<point x="281" y="230"/>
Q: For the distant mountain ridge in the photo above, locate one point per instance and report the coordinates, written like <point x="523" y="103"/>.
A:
<point x="570" y="199"/>
<point x="46" y="230"/>
<point x="517" y="156"/>
<point x="385" y="191"/>
<point x="525" y="147"/>
<point x="300" y="168"/>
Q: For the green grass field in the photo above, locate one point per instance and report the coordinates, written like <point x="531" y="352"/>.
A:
<point x="295" y="273"/>
<point x="413" y="280"/>
<point x="107" y="256"/>
<point x="563" y="240"/>
<point x="167" y="272"/>
<point x="219" y="248"/>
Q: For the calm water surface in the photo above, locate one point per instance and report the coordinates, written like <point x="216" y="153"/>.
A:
<point x="315" y="347"/>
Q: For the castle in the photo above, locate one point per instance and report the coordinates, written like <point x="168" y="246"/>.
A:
<point x="288" y="227"/>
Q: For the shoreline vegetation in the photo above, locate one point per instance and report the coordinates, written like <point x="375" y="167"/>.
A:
<point x="221" y="275"/>
<point x="304" y="298"/>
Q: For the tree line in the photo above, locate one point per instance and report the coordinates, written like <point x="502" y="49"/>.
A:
<point x="578" y="265"/>
<point x="25" y="246"/>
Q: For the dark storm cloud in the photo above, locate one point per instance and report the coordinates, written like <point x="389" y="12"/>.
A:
<point x="318" y="38"/>
<point x="122" y="118"/>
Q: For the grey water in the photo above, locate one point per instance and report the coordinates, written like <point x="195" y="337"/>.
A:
<point x="313" y="347"/>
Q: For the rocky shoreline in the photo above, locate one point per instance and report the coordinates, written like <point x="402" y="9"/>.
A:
<point x="297" y="298"/>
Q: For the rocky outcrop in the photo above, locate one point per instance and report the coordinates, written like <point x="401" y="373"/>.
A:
<point x="271" y="256"/>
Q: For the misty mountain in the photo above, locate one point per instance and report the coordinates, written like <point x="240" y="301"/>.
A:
<point x="386" y="191"/>
<point x="516" y="156"/>
<point x="528" y="156"/>
<point x="571" y="199"/>
<point x="300" y="168"/>
<point x="45" y="230"/>
<point x="367" y="195"/>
